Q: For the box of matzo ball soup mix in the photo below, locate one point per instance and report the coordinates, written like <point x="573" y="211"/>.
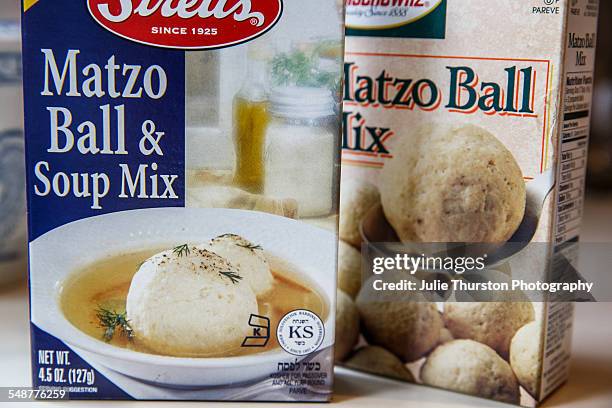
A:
<point x="463" y="159"/>
<point x="182" y="161"/>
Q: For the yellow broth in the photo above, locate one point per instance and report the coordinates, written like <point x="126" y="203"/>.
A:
<point x="105" y="284"/>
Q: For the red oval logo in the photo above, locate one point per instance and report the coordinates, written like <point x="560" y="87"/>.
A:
<point x="187" y="24"/>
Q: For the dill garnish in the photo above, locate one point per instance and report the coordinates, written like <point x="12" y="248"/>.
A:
<point x="113" y="322"/>
<point x="227" y="236"/>
<point x="182" y="250"/>
<point x="233" y="276"/>
<point x="250" y="246"/>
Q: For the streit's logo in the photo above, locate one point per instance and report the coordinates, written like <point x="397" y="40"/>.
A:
<point x="194" y="24"/>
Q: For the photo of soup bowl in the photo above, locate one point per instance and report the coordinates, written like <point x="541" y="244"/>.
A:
<point x="61" y="255"/>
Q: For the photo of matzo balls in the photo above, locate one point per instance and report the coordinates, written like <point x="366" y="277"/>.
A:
<point x="490" y="323"/>
<point x="525" y="357"/>
<point x="452" y="184"/>
<point x="349" y="269"/>
<point x="356" y="199"/>
<point x="404" y="323"/>
<point x="347" y="325"/>
<point x="472" y="368"/>
<point x="446" y="336"/>
<point x="377" y="360"/>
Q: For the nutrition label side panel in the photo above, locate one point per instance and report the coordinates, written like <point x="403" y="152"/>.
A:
<point x="557" y="349"/>
<point x="575" y="126"/>
<point x="573" y="147"/>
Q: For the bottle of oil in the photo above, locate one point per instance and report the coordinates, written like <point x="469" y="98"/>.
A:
<point x="250" y="125"/>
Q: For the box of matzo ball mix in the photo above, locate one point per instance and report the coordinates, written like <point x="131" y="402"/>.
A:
<point x="464" y="148"/>
<point x="182" y="161"/>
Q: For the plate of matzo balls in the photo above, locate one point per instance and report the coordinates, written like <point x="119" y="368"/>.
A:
<point x="445" y="184"/>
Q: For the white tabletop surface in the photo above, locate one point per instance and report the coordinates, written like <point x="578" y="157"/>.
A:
<point x="590" y="383"/>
